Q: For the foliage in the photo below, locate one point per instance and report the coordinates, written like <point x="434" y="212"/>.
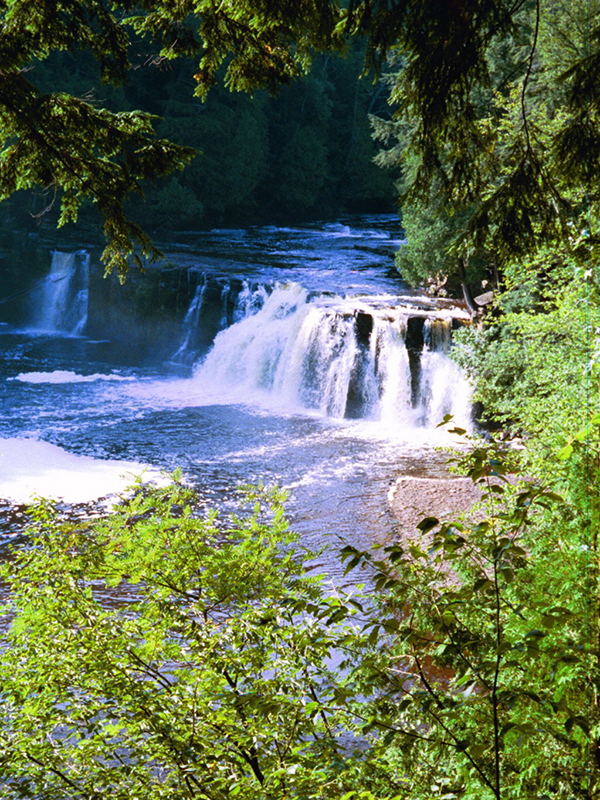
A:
<point x="533" y="367"/>
<point x="490" y="190"/>
<point x="63" y="142"/>
<point x="306" y="153"/>
<point x="471" y="125"/>
<point x="488" y="684"/>
<point x="81" y="143"/>
<point x="160" y="653"/>
<point x="488" y="162"/>
<point x="243" y="171"/>
<point x="223" y="668"/>
<point x="427" y="254"/>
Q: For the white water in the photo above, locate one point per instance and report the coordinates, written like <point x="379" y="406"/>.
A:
<point x="30" y="468"/>
<point x="61" y="303"/>
<point x="190" y="324"/>
<point x="234" y="306"/>
<point x="296" y="390"/>
<point x="301" y="354"/>
<point x="250" y="300"/>
<point x="393" y="371"/>
<point x="66" y="376"/>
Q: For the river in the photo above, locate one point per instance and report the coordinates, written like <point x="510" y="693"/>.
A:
<point x="326" y="376"/>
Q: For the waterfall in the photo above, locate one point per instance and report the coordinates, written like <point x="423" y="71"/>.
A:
<point x="340" y="358"/>
<point x="217" y="303"/>
<point x="442" y="386"/>
<point x="191" y="323"/>
<point x="61" y="303"/>
<point x="437" y="334"/>
<point x="394" y="374"/>
<point x="250" y="300"/>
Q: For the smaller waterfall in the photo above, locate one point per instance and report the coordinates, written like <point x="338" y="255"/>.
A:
<point x="218" y="302"/>
<point x="250" y="300"/>
<point x="393" y="373"/>
<point x="437" y="334"/>
<point x="340" y="358"/>
<point x="442" y="387"/>
<point x="191" y="323"/>
<point x="61" y="303"/>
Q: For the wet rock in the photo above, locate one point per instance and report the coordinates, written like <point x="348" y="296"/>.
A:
<point x="364" y="326"/>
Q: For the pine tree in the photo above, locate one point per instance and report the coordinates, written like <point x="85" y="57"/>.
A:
<point x="82" y="151"/>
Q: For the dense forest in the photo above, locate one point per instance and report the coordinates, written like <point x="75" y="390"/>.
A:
<point x="234" y="672"/>
<point x="305" y="153"/>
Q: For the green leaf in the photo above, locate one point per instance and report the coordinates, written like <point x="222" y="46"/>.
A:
<point x="477" y="750"/>
<point x="582" y="435"/>
<point x="535" y="634"/>
<point x="507" y="573"/>
<point x="428" y="524"/>
<point x="565" y="452"/>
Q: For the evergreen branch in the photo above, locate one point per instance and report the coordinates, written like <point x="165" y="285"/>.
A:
<point x="528" y="75"/>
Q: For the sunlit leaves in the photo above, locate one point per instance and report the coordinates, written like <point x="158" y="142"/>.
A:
<point x="207" y="671"/>
<point x="498" y="145"/>
<point x="487" y="666"/>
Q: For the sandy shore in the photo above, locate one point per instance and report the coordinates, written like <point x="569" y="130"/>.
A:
<point x="412" y="499"/>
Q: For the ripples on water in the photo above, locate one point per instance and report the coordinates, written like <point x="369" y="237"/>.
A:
<point x="225" y="426"/>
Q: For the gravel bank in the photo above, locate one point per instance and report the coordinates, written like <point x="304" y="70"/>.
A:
<point x="412" y="499"/>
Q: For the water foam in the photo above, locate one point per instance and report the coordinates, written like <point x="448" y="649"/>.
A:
<point x="60" y="304"/>
<point x="66" y="376"/>
<point x="336" y="357"/>
<point x="31" y="467"/>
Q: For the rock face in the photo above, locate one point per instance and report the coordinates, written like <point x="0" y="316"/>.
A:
<point x="147" y="315"/>
<point x="412" y="499"/>
<point x="144" y="315"/>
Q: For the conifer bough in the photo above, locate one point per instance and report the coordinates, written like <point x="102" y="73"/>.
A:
<point x="80" y="151"/>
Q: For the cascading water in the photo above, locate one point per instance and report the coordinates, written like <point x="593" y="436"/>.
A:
<point x="190" y="325"/>
<point x="437" y="334"/>
<point x="61" y="303"/>
<point x="340" y="358"/>
<point x="393" y="373"/>
<point x="315" y="369"/>
<point x="217" y="303"/>
<point x="250" y="300"/>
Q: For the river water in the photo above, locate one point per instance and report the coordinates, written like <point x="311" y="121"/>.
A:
<point x="327" y="377"/>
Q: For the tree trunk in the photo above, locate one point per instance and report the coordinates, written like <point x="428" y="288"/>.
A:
<point x="471" y="304"/>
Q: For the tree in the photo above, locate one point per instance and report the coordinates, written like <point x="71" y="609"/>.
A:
<point x="500" y="177"/>
<point x="166" y="652"/>
<point x="206" y="675"/>
<point x="71" y="145"/>
<point x="487" y="688"/>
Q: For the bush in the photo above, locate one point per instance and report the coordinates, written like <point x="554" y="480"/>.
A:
<point x="166" y="653"/>
<point x="158" y="654"/>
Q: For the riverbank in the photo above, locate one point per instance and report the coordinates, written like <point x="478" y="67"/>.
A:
<point x="411" y="499"/>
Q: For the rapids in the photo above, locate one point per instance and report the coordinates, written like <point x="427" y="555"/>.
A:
<point x="301" y="360"/>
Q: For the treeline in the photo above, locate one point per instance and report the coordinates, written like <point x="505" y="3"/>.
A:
<point x="306" y="153"/>
<point x="507" y="165"/>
